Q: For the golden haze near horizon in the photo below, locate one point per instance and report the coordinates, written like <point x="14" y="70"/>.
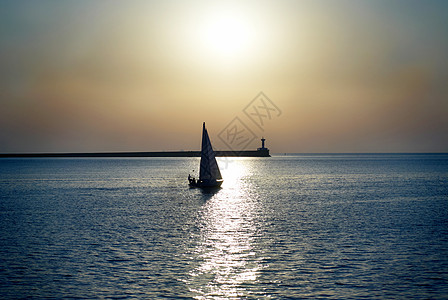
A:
<point x="348" y="76"/>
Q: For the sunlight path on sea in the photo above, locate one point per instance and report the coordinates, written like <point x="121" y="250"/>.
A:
<point x="226" y="259"/>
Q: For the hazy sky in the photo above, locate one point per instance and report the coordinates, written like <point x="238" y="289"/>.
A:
<point x="343" y="76"/>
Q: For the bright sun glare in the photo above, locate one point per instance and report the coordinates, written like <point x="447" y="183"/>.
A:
<point x="227" y="35"/>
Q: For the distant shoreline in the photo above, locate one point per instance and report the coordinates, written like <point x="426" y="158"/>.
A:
<point x="255" y="153"/>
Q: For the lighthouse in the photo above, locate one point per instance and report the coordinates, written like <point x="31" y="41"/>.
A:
<point x="263" y="150"/>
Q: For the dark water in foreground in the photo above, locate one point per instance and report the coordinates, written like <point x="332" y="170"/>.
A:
<point x="286" y="227"/>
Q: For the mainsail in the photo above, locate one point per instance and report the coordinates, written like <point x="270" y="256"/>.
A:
<point x="209" y="170"/>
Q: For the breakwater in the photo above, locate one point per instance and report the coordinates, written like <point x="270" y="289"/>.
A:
<point x="254" y="153"/>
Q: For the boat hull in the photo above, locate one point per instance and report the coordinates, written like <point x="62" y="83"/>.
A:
<point x="206" y="183"/>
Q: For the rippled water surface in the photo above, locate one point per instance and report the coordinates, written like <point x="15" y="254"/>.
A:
<point x="285" y="227"/>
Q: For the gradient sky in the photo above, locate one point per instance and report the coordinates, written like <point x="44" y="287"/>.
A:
<point x="347" y="76"/>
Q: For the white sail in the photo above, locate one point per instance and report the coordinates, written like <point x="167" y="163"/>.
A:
<point x="209" y="170"/>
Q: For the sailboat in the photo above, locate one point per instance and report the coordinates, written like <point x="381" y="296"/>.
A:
<point x="209" y="174"/>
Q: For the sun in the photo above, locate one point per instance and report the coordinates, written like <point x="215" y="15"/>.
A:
<point x="227" y="35"/>
<point x="223" y="37"/>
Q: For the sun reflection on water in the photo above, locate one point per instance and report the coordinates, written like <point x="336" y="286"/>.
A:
<point x="225" y="258"/>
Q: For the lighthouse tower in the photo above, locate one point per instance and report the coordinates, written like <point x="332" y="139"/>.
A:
<point x="263" y="150"/>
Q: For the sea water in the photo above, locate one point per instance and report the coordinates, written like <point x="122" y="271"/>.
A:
<point x="285" y="227"/>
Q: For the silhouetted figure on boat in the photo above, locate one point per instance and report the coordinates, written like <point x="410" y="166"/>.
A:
<point x="191" y="180"/>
